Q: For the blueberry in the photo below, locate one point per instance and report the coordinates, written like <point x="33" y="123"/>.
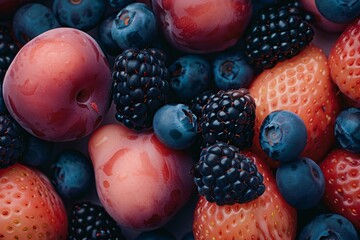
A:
<point x="188" y="236"/>
<point x="283" y="135"/>
<point x="301" y="182"/>
<point x="31" y="20"/>
<point x="134" y="26"/>
<point x="119" y="3"/>
<point x="231" y="70"/>
<point x="157" y="234"/>
<point x="347" y="129"/>
<point x="80" y="14"/>
<point x="38" y="152"/>
<point x="339" y="11"/>
<point x="105" y="37"/>
<point x="175" y="126"/>
<point x="72" y="174"/>
<point x="189" y="76"/>
<point x="329" y="226"/>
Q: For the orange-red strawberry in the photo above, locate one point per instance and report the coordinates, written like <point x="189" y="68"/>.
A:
<point x="29" y="206"/>
<point x="344" y="61"/>
<point x="267" y="217"/>
<point x="342" y="190"/>
<point x="302" y="85"/>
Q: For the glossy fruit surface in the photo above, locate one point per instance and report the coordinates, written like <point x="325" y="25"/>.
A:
<point x="105" y="37"/>
<point x="267" y="217"/>
<point x="134" y="26"/>
<point x="319" y="20"/>
<point x="283" y="135"/>
<point x="190" y="25"/>
<point x="342" y="176"/>
<point x="64" y="73"/>
<point x="31" y="20"/>
<point x="38" y="152"/>
<point x="344" y="61"/>
<point x="91" y="221"/>
<point x="339" y="11"/>
<point x="179" y="131"/>
<point x="79" y="14"/>
<point x="230" y="70"/>
<point x="190" y="75"/>
<point x="302" y="85"/>
<point x="125" y="161"/>
<point x="29" y="206"/>
<point x="347" y="129"/>
<point x="329" y="226"/>
<point x="72" y="174"/>
<point x="119" y="3"/>
<point x="301" y="182"/>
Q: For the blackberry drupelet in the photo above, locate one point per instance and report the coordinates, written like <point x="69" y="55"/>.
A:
<point x="12" y="141"/>
<point x="8" y="50"/>
<point x="196" y="104"/>
<point x="89" y="221"/>
<point x="140" y="86"/>
<point x="277" y="34"/>
<point x="225" y="176"/>
<point x="229" y="116"/>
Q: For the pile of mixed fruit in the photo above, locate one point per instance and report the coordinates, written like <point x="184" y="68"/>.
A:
<point x="180" y="119"/>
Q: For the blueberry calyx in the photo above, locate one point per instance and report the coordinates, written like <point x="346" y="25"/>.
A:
<point x="124" y="19"/>
<point x="274" y="134"/>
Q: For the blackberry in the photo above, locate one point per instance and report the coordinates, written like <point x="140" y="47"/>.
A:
<point x="140" y="86"/>
<point x="196" y="104"/>
<point x="276" y="34"/>
<point x="8" y="50"/>
<point x="225" y="176"/>
<point x="90" y="221"/>
<point x="229" y="116"/>
<point x="12" y="141"/>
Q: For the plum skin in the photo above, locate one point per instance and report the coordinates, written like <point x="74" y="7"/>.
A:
<point x="58" y="85"/>
<point x="203" y="26"/>
<point x="141" y="183"/>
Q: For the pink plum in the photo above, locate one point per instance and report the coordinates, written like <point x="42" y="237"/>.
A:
<point x="321" y="21"/>
<point x="58" y="85"/>
<point x="201" y="26"/>
<point x="140" y="182"/>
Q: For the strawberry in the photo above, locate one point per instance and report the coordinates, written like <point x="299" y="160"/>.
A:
<point x="344" y="61"/>
<point x="302" y="85"/>
<point x="29" y="206"/>
<point x="267" y="217"/>
<point x="341" y="170"/>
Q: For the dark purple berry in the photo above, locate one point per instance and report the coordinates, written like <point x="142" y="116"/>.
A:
<point x="72" y="174"/>
<point x="80" y="14"/>
<point x="231" y="71"/>
<point x="329" y="226"/>
<point x="88" y="221"/>
<point x="175" y="126"/>
<point x="347" y="129"/>
<point x="283" y="135"/>
<point x="301" y="182"/>
<point x="31" y="20"/>
<point x="190" y="75"/>
<point x="140" y="86"/>
<point x="134" y="26"/>
<point x="225" y="176"/>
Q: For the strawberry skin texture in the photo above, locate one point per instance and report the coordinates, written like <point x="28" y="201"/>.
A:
<point x="302" y="85"/>
<point x="267" y="217"/>
<point x="344" y="62"/>
<point x="29" y="206"/>
<point x="341" y="170"/>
